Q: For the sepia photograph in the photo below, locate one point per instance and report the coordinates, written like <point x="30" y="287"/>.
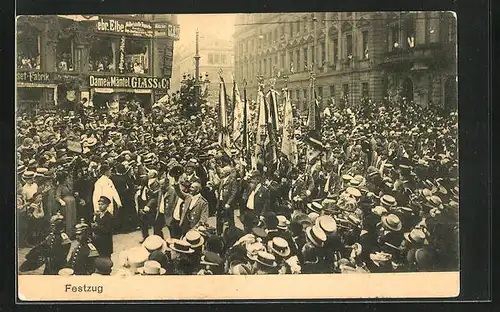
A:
<point x="298" y="148"/>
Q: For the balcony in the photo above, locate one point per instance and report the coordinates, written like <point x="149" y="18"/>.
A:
<point x="434" y="54"/>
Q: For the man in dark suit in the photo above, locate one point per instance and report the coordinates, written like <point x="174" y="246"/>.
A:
<point x="148" y="203"/>
<point x="169" y="210"/>
<point x="226" y="198"/>
<point x="257" y="196"/>
<point x="103" y="228"/>
<point x="195" y="210"/>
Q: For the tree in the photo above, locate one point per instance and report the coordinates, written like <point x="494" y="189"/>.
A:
<point x="189" y="101"/>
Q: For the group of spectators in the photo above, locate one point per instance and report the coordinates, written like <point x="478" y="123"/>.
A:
<point x="381" y="197"/>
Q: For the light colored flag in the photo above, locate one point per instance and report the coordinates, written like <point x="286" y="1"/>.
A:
<point x="224" y="137"/>
<point x="288" y="141"/>
<point x="262" y="137"/>
<point x="237" y="135"/>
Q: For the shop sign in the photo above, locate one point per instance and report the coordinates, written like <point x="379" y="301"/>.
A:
<point x="138" y="28"/>
<point x="38" y="77"/>
<point x="131" y="82"/>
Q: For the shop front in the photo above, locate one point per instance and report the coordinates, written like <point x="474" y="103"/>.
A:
<point x="115" y="91"/>
<point x="34" y="91"/>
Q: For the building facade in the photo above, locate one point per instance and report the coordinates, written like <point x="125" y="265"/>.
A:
<point x="353" y="55"/>
<point x="215" y="54"/>
<point x="106" y="58"/>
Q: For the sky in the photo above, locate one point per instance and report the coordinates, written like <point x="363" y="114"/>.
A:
<point x="212" y="25"/>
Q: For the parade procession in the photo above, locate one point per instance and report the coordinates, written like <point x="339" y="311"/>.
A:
<point x="265" y="169"/>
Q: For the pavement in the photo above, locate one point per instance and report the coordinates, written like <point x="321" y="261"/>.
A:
<point x="121" y="242"/>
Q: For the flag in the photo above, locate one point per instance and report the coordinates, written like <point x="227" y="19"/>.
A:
<point x="262" y="137"/>
<point x="224" y="138"/>
<point x="237" y="137"/>
<point x="288" y="143"/>
<point x="313" y="138"/>
<point x="273" y="125"/>
<point x="245" y="140"/>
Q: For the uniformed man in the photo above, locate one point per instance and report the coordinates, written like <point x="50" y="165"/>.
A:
<point x="83" y="256"/>
<point x="57" y="246"/>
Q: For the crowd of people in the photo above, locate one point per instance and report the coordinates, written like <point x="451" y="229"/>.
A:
<point x="381" y="197"/>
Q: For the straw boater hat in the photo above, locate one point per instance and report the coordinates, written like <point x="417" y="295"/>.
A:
<point x="327" y="224"/>
<point x="66" y="272"/>
<point x="347" y="177"/>
<point x="356" y="193"/>
<point x="283" y="222"/>
<point x="194" y="238"/>
<point x="21" y="169"/>
<point x="416" y="236"/>
<point x="253" y="249"/>
<point x="266" y="259"/>
<point x="181" y="246"/>
<point x="316" y="235"/>
<point x="28" y="175"/>
<point x="280" y="247"/>
<point x="379" y="210"/>
<point x="313" y="216"/>
<point x="315" y="207"/>
<point x="135" y="257"/>
<point x="154" y="242"/>
<point x="388" y="201"/>
<point x="151" y="268"/>
<point x="354" y="182"/>
<point x="392" y="222"/>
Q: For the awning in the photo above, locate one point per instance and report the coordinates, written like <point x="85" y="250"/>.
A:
<point x="80" y="18"/>
<point x="121" y="90"/>
<point x="104" y="90"/>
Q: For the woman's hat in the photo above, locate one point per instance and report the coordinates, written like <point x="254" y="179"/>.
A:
<point x="280" y="247"/>
<point x="388" y="201"/>
<point x="154" y="242"/>
<point x="315" y="207"/>
<point x="283" y="222"/>
<point x="316" y="235"/>
<point x="392" y="222"/>
<point x="181" y="246"/>
<point x="151" y="268"/>
<point x="416" y="236"/>
<point x="327" y="224"/>
<point x="66" y="272"/>
<point x="212" y="259"/>
<point x="103" y="266"/>
<point x="194" y="238"/>
<point x="266" y="259"/>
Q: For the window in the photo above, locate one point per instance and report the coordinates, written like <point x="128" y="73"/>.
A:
<point x="395" y="37"/>
<point x="335" y="50"/>
<point x="265" y="67"/>
<point x="217" y="58"/>
<point x="348" y="46"/>
<point x="320" y="92"/>
<point x="332" y="91"/>
<point x="275" y="35"/>
<point x="364" y="89"/>
<point x="364" y="44"/>
<point x="104" y="54"/>
<point x="305" y="95"/>
<point x="345" y="89"/>
<point x="223" y="58"/>
<point x="282" y="32"/>
<point x="305" y="58"/>
<point x="136" y="56"/>
<point x="409" y="28"/>
<point x="28" y="46"/>
<point x="323" y="53"/>
<point x="64" y="54"/>
<point x="297" y="95"/>
<point x="291" y="29"/>
<point x="297" y="31"/>
<point x="282" y="63"/>
<point x="210" y="58"/>
<point x="297" y="58"/>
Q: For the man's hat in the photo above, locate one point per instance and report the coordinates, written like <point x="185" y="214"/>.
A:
<point x="160" y="257"/>
<point x="283" y="222"/>
<point x="28" y="175"/>
<point x="316" y="235"/>
<point x="151" y="268"/>
<point x="315" y="207"/>
<point x="81" y="227"/>
<point x="57" y="218"/>
<point x="253" y="249"/>
<point x="327" y="224"/>
<point x="266" y="259"/>
<point x="105" y="200"/>
<point x="103" y="266"/>
<point x="194" y="238"/>
<point x="181" y="246"/>
<point x="416" y="236"/>
<point x="154" y="242"/>
<point x="280" y="247"/>
<point x="21" y="169"/>
<point x="259" y="232"/>
<point x="212" y="259"/>
<point x="388" y="201"/>
<point x="392" y="222"/>
<point x="66" y="272"/>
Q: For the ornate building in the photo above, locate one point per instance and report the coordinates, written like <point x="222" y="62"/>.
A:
<point x="354" y="55"/>
<point x="102" y="58"/>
